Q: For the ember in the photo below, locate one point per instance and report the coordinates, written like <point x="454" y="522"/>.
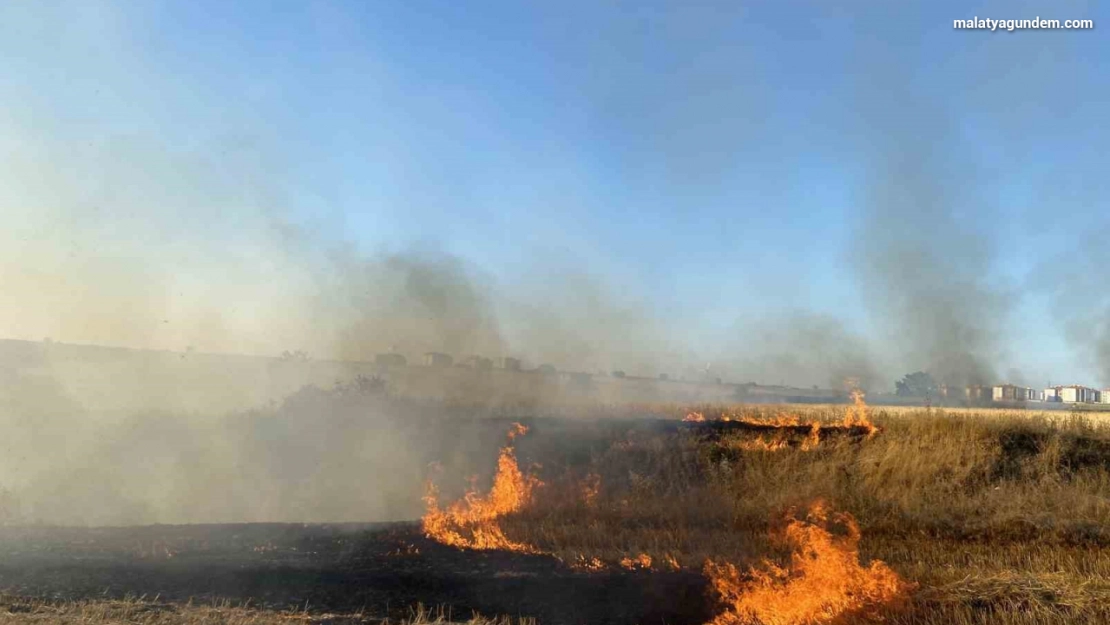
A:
<point x="642" y="561"/>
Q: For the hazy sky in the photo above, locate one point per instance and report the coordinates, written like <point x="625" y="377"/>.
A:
<point x="710" y="164"/>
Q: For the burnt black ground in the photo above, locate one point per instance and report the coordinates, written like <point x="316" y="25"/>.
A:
<point x="382" y="569"/>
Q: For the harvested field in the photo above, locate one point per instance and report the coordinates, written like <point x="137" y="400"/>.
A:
<point x="618" y="517"/>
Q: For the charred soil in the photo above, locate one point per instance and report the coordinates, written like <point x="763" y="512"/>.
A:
<point x="379" y="571"/>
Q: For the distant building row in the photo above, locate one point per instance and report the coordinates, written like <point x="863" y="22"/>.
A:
<point x="437" y="359"/>
<point x="1072" y="394"/>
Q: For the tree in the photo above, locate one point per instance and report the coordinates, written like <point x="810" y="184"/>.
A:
<point x="917" y="384"/>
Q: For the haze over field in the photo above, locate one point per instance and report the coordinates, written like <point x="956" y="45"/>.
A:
<point x="788" y="193"/>
<point x="783" y="192"/>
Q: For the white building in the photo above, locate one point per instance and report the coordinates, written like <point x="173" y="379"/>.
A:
<point x="1009" y="392"/>
<point x="1033" y="394"/>
<point x="976" y="392"/>
<point x="1076" y="394"/>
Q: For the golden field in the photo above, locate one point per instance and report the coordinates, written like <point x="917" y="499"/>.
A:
<point x="985" y="516"/>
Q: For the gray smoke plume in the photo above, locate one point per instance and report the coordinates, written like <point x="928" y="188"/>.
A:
<point x="925" y="273"/>
<point x="923" y="251"/>
<point x="1074" y="282"/>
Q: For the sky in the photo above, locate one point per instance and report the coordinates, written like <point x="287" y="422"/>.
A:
<point x="729" y="182"/>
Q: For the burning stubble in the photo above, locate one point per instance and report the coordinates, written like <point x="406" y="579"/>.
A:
<point x="822" y="583"/>
<point x="784" y="428"/>
<point x="472" y="522"/>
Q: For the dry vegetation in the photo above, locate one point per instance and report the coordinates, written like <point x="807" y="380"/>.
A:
<point x="139" y="611"/>
<point x="978" y="518"/>
<point x="935" y="517"/>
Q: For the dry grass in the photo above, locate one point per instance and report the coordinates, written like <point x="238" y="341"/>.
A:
<point x="144" y="612"/>
<point x="998" y="518"/>
<point x="993" y="516"/>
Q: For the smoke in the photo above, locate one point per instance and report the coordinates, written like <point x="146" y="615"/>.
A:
<point x="130" y="219"/>
<point x="1073" y="282"/>
<point x="411" y="302"/>
<point x="924" y="269"/>
<point x="341" y="455"/>
<point x="578" y="321"/>
<point x="803" y="348"/>
<point x="121" y="239"/>
<point x="923" y="250"/>
<point x="134" y="243"/>
<point x="129" y="242"/>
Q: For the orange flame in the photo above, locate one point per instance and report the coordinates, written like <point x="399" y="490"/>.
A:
<point x="823" y="582"/>
<point x="471" y="522"/>
<point x="814" y="439"/>
<point x="695" y="417"/>
<point x="859" y="414"/>
<point x="642" y="561"/>
<point x="516" y="430"/>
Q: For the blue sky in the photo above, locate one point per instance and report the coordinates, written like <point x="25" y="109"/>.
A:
<point x="707" y="160"/>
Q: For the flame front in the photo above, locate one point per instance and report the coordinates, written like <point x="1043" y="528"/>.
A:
<point x="858" y="414"/>
<point x="823" y="582"/>
<point x="857" y="417"/>
<point x="642" y="561"/>
<point x="471" y="522"/>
